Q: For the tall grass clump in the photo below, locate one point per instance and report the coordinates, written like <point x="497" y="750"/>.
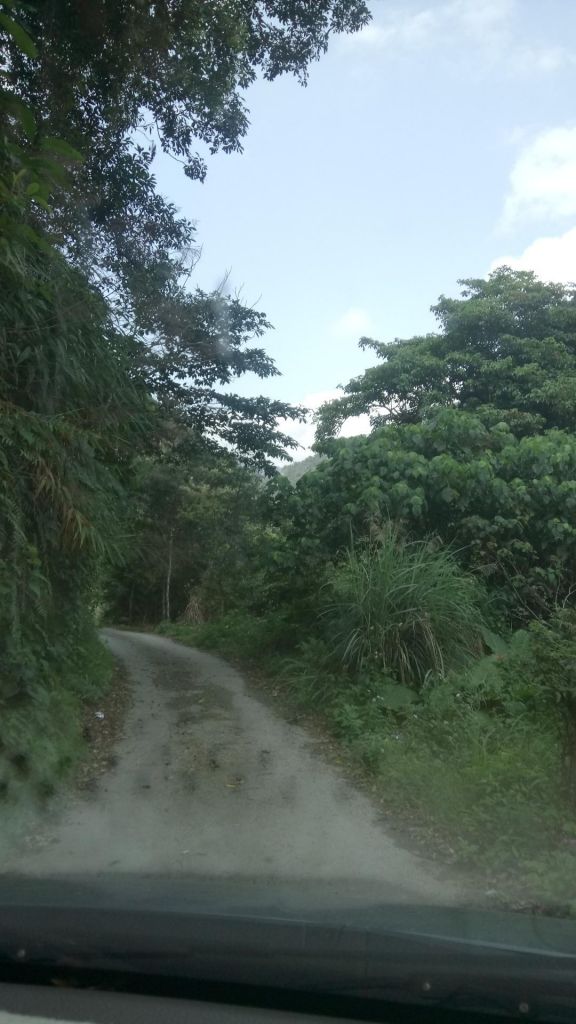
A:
<point x="404" y="608"/>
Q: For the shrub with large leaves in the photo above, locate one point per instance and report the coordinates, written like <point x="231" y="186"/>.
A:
<point x="507" y="505"/>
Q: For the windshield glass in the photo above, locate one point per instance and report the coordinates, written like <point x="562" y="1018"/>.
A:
<point x="288" y="455"/>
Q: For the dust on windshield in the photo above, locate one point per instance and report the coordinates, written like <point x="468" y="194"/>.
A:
<point x="288" y="452"/>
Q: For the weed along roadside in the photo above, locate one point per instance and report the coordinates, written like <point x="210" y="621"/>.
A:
<point x="414" y="588"/>
<point x="46" y="743"/>
<point x="465" y="769"/>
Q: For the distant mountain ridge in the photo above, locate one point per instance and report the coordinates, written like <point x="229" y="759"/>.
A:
<point x="295" y="470"/>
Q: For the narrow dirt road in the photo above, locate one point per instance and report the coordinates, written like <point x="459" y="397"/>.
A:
<point x="209" y="781"/>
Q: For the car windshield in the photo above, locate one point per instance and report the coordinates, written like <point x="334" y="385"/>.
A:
<point x="288" y="454"/>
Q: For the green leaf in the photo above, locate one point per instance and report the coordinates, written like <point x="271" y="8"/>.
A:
<point x="494" y="643"/>
<point x="19" y="35"/>
<point x="42" y="202"/>
<point x="483" y="671"/>
<point x="24" y="233"/>
<point x="62" y="148"/>
<point x="20" y="110"/>
<point x="45" y="167"/>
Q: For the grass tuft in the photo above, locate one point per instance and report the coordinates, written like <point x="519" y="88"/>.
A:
<point x="406" y="609"/>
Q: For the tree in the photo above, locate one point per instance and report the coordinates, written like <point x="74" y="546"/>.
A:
<point x="70" y="417"/>
<point x="107" y="360"/>
<point x="473" y="440"/>
<point x="506" y="351"/>
<point x="196" y="535"/>
<point x="189" y="371"/>
<point x="505" y="504"/>
<point x="116" y="80"/>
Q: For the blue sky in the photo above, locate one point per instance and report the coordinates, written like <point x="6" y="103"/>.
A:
<point x="434" y="144"/>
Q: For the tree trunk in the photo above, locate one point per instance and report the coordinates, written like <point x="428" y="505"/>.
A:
<point x="169" y="575"/>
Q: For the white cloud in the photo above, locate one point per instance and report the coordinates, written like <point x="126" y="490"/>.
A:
<point x="480" y="21"/>
<point x="417" y="28"/>
<point x="304" y="433"/>
<point x="351" y="325"/>
<point x="356" y="425"/>
<point x="403" y="29"/>
<point x="375" y="36"/>
<point x="550" y="58"/>
<point x="543" y="179"/>
<point x="552" y="258"/>
<point x="489" y="29"/>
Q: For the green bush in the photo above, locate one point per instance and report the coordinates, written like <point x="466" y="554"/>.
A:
<point x="41" y="734"/>
<point x="471" y="755"/>
<point x="491" y="780"/>
<point x="474" y="758"/>
<point x="553" y="669"/>
<point x="404" y="608"/>
<point x="237" y="635"/>
<point x="311" y="677"/>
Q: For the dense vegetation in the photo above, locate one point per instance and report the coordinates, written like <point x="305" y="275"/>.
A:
<point x="413" y="588"/>
<point x="116" y="376"/>
<point x="416" y="588"/>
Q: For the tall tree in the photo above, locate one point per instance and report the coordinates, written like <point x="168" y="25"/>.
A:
<point x="506" y="351"/>
<point x="197" y="538"/>
<point x="117" y="79"/>
<point x="506" y="504"/>
<point x="473" y="439"/>
<point x="70" y="417"/>
<point x="104" y="351"/>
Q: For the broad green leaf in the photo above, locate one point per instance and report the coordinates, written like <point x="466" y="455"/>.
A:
<point x="62" y="148"/>
<point x="19" y="35"/>
<point x="484" y="669"/>
<point x="494" y="643"/>
<point x="20" y="110"/>
<point x="44" y="166"/>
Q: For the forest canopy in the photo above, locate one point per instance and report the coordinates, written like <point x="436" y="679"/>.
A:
<point x="113" y="365"/>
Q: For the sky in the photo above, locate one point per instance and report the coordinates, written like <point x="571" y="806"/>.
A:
<point x="434" y="145"/>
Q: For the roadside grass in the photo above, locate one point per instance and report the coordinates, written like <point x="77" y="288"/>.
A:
<point x="251" y="639"/>
<point x="478" y="780"/>
<point x="41" y="740"/>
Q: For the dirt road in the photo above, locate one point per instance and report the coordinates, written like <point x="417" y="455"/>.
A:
<point x="209" y="780"/>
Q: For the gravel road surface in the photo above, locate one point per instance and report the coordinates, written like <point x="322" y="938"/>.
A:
<point x="209" y="781"/>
